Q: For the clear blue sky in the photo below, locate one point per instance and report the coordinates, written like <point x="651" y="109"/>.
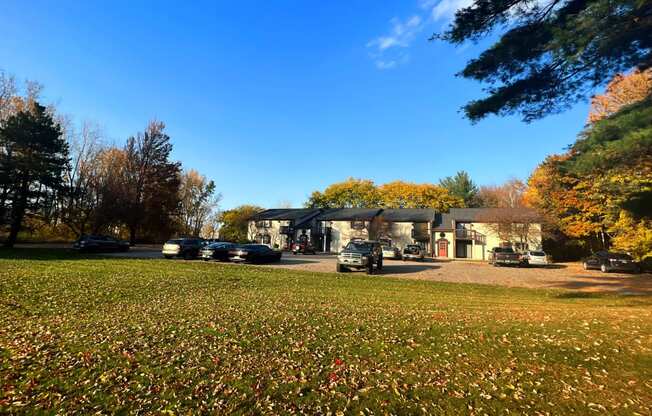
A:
<point x="275" y="99"/>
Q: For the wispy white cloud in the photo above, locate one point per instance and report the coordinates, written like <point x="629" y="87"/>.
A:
<point x="391" y="50"/>
<point x="387" y="51"/>
<point x="444" y="10"/>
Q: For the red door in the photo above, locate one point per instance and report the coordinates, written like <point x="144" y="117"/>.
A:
<point x="443" y="248"/>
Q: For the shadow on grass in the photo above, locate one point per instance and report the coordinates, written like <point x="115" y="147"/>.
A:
<point x="53" y="254"/>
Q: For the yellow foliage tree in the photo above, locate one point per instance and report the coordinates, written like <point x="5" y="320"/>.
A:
<point x="632" y="236"/>
<point x="399" y="194"/>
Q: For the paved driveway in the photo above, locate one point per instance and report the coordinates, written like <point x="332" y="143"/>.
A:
<point x="560" y="276"/>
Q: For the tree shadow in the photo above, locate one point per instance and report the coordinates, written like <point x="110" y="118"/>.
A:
<point x="624" y="285"/>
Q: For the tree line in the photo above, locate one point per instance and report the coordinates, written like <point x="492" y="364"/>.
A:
<point x="58" y="181"/>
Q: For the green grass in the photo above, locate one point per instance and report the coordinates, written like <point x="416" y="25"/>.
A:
<point x="86" y="334"/>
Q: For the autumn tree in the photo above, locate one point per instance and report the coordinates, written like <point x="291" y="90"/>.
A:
<point x="604" y="179"/>
<point x="82" y="192"/>
<point x="622" y="90"/>
<point x="508" y="195"/>
<point x="550" y="53"/>
<point x="399" y="194"/>
<point x="235" y="223"/>
<point x="198" y="200"/>
<point x="461" y="186"/>
<point x="351" y="193"/>
<point x="32" y="161"/>
<point x="152" y="184"/>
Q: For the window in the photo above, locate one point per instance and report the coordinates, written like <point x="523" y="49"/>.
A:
<point x="263" y="239"/>
<point x="357" y="225"/>
<point x="263" y="224"/>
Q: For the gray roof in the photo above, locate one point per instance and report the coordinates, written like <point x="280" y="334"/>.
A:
<point x="492" y="214"/>
<point x="285" y="214"/>
<point x="409" y="215"/>
<point x="349" y="214"/>
<point x="443" y="222"/>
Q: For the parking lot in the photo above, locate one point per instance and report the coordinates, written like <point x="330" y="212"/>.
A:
<point x="557" y="276"/>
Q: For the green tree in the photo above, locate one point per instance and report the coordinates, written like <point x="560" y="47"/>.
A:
<point x="552" y="53"/>
<point x="33" y="156"/>
<point x="463" y="187"/>
<point x="235" y="223"/>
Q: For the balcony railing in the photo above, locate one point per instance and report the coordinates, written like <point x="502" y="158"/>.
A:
<point x="464" y="234"/>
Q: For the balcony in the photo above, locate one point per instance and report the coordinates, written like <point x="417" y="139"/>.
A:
<point x="263" y="224"/>
<point x="464" y="234"/>
<point x="420" y="235"/>
<point x="286" y="229"/>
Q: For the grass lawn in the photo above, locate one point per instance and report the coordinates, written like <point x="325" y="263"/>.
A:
<point x="85" y="334"/>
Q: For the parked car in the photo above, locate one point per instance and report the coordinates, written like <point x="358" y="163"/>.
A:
<point x="304" y="247"/>
<point x="535" y="258"/>
<point x="254" y="253"/>
<point x="188" y="248"/>
<point x="391" y="252"/>
<point x="360" y="254"/>
<point x="606" y="262"/>
<point x="217" y="251"/>
<point x="504" y="256"/>
<point x="413" y="252"/>
<point x="99" y="243"/>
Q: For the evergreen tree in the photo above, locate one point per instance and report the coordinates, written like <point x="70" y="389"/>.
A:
<point x="552" y="53"/>
<point x="33" y="156"/>
<point x="462" y="187"/>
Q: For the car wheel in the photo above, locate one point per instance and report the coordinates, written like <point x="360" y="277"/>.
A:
<point x="168" y="257"/>
<point x="340" y="268"/>
<point x="603" y="268"/>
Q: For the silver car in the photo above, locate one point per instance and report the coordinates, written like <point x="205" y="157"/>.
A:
<point x="535" y="258"/>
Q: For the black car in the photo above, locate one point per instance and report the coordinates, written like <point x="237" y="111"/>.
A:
<point x="188" y="248"/>
<point x="254" y="253"/>
<point x="217" y="251"/>
<point x="606" y="262"/>
<point x="99" y="243"/>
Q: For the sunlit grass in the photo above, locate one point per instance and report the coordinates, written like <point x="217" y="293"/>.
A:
<point x="89" y="334"/>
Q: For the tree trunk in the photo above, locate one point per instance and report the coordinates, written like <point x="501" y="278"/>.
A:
<point x="17" y="214"/>
<point x="132" y="235"/>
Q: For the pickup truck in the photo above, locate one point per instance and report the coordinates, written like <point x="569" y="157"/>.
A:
<point x="360" y="254"/>
<point x="504" y="256"/>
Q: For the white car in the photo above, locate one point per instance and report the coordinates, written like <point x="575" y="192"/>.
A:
<point x="535" y="258"/>
<point x="390" y="252"/>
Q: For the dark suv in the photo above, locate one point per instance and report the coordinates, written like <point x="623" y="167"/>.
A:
<point x="610" y="262"/>
<point x="98" y="243"/>
<point x="188" y="248"/>
<point x="361" y="254"/>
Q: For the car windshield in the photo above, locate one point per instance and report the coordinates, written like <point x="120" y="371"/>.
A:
<point x="537" y="253"/>
<point x="503" y="250"/>
<point x="412" y="249"/>
<point x="619" y="256"/>
<point x="358" y="246"/>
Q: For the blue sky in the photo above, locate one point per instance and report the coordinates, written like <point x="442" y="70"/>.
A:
<point x="275" y="99"/>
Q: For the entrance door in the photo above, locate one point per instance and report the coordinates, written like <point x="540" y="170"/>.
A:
<point x="460" y="249"/>
<point x="443" y="248"/>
